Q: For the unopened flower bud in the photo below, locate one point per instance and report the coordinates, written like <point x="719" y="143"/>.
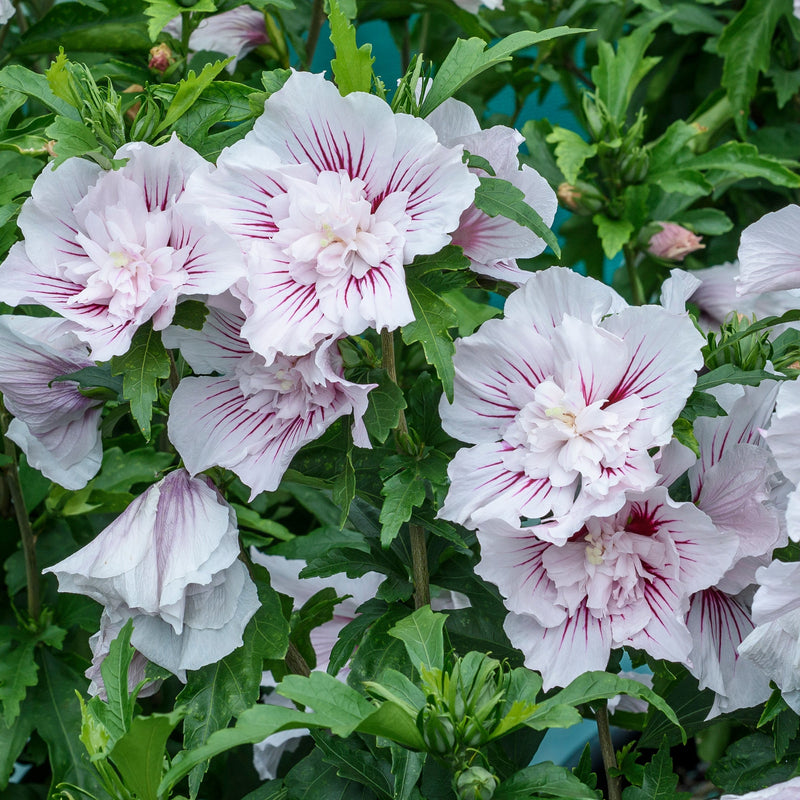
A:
<point x="439" y="733"/>
<point x="581" y="197"/>
<point x="475" y="783"/>
<point x="161" y="58"/>
<point x="673" y="242"/>
<point x="594" y="119"/>
<point x="635" y="165"/>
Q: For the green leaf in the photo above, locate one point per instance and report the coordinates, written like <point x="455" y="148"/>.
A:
<point x="406" y="768"/>
<point x="571" y="152"/>
<point x="497" y="197"/>
<point x="613" y="233"/>
<point x="384" y="404"/>
<point x="403" y="492"/>
<point x="603" y="686"/>
<point x="750" y="764"/>
<point x="709" y="221"/>
<point x="55" y="708"/>
<point x="121" y="471"/>
<point x="659" y="782"/>
<point x="683" y="431"/>
<point x="12" y="742"/>
<point x="214" y="694"/>
<point x="729" y="373"/>
<point x="162" y="11"/>
<point x="470" y="57"/>
<point x="745" y="45"/>
<point x="342" y="706"/>
<point x="141" y="368"/>
<point x="786" y="83"/>
<point x="74" y="28"/>
<point x="355" y="764"/>
<point x="189" y="91"/>
<point x="34" y="85"/>
<point x="344" y="484"/>
<point x="17" y="672"/>
<point x="116" y="713"/>
<point x="617" y="75"/>
<point x="352" y="66"/>
<point x="190" y="314"/>
<point x="421" y="633"/>
<point x="742" y="160"/>
<point x="140" y="755"/>
<point x="544" y="778"/>
<point x="432" y="319"/>
<point x="72" y="138"/>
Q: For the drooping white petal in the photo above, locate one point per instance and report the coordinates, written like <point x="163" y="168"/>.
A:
<point x="56" y="426"/>
<point x="769" y="255"/>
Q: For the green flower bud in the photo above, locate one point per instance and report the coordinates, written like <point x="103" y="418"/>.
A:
<point x="439" y="733"/>
<point x="581" y="197"/>
<point x="475" y="783"/>
<point x="635" y="165"/>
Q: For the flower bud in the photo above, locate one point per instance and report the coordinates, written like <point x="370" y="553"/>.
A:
<point x="161" y="58"/>
<point x="475" y="783"/>
<point x="146" y="121"/>
<point x="581" y="197"/>
<point x="595" y="123"/>
<point x="439" y="733"/>
<point x="634" y="165"/>
<point x="673" y="242"/>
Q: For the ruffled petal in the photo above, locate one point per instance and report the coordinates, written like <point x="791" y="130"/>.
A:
<point x="769" y="254"/>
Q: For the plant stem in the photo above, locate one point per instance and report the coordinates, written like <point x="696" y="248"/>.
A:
<point x="295" y="662"/>
<point x="607" y="751"/>
<point x="637" y="290"/>
<point x="419" y="547"/>
<point x="23" y="521"/>
<point x="314" y="28"/>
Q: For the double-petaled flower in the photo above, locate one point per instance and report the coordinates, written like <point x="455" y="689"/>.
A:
<point x="112" y="250"/>
<point x="329" y="197"/>
<point x="563" y="399"/>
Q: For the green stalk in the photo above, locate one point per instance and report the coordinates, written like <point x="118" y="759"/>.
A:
<point x="314" y="28"/>
<point x="23" y="521"/>
<point x="419" y="547"/>
<point x="637" y="290"/>
<point x="607" y="751"/>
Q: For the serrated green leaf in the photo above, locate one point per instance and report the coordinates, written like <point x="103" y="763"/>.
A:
<point x="403" y="492"/>
<point x="162" y="11"/>
<point x="745" y="45"/>
<point x="190" y="314"/>
<point x="344" y="707"/>
<point x="189" y="90"/>
<point x="406" y="768"/>
<point x="470" y="57"/>
<point x="140" y="755"/>
<point x="659" y="782"/>
<point x="12" y="742"/>
<point x="20" y="79"/>
<point x="116" y="713"/>
<point x="614" y="233"/>
<point x="709" y="221"/>
<point x="421" y="633"/>
<point x="352" y="66"/>
<point x="145" y="363"/>
<point x="72" y="138"/>
<point x="121" y="471"/>
<point x="432" y="319"/>
<point x="544" y="778"/>
<point x="497" y="197"/>
<point x="571" y="152"/>
<point x="18" y="671"/>
<point x="384" y="404"/>
<point x="742" y="160"/>
<point x="749" y="764"/>
<point x="617" y="74"/>
<point x="355" y="764"/>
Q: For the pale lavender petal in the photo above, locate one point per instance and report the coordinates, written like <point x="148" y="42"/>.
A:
<point x="718" y="623"/>
<point x="487" y="364"/>
<point x="552" y="293"/>
<point x="787" y="790"/>
<point x="511" y="559"/>
<point x="782" y="436"/>
<point x="769" y="255"/>
<point x="56" y="426"/>
<point x="580" y="644"/>
<point x="677" y="289"/>
<point x="161" y="171"/>
<point x="483" y="487"/>
<point x="778" y="593"/>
